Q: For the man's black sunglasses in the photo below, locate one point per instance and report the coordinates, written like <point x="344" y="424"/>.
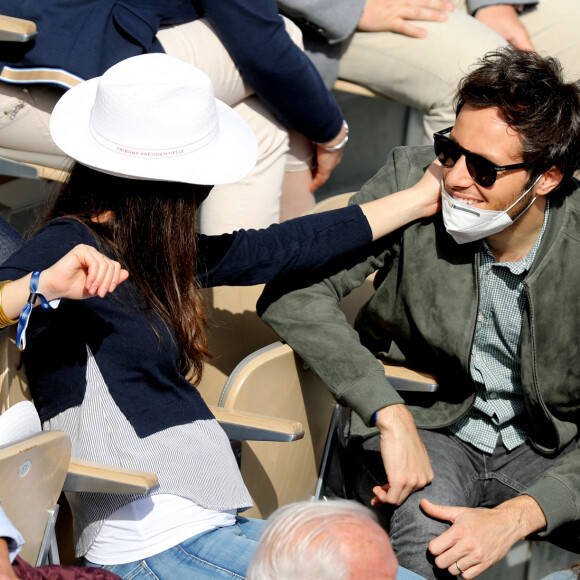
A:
<point x="483" y="171"/>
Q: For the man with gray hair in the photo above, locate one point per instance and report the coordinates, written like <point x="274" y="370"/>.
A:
<point x="325" y="540"/>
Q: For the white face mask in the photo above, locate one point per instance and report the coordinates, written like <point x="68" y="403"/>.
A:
<point x="467" y="223"/>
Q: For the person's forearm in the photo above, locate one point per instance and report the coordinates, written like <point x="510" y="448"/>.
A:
<point x="81" y="273"/>
<point x="389" y="213"/>
<point x="525" y="514"/>
<point x="15" y="295"/>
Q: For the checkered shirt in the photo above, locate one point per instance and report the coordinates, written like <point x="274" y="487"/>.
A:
<point x="495" y="354"/>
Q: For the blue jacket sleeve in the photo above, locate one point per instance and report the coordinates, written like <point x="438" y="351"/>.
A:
<point x="249" y="257"/>
<point x="278" y="71"/>
<point x="243" y="258"/>
<point x="12" y="536"/>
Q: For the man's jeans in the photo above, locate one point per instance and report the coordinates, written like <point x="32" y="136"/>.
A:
<point x="223" y="553"/>
<point x="464" y="476"/>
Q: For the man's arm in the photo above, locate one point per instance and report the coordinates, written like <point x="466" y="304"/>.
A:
<point x="309" y="319"/>
<point x="478" y="538"/>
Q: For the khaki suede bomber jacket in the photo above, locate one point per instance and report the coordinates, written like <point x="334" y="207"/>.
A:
<point x="424" y="313"/>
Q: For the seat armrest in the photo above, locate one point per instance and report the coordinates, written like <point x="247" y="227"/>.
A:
<point x="16" y="29"/>
<point x="405" y="379"/>
<point x="246" y="426"/>
<point x="89" y="476"/>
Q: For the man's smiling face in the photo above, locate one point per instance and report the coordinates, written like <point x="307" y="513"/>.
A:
<point x="483" y="132"/>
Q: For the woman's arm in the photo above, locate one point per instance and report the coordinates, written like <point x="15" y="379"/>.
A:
<point x="311" y="242"/>
<point x="82" y="273"/>
<point x="389" y="213"/>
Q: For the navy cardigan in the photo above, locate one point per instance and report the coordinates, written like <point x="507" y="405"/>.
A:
<point x="142" y="372"/>
<point x="86" y="37"/>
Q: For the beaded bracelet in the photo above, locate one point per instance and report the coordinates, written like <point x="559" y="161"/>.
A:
<point x="4" y="320"/>
<point x="25" y="314"/>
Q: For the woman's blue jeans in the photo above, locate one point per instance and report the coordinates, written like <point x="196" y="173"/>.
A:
<point x="221" y="553"/>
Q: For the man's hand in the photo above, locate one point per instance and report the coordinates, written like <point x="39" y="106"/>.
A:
<point x="479" y="538"/>
<point x="504" y="19"/>
<point x="406" y="460"/>
<point x="394" y="15"/>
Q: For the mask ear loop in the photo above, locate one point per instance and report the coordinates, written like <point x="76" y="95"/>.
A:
<point x="519" y="198"/>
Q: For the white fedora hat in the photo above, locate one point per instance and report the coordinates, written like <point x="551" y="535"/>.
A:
<point x="154" y="117"/>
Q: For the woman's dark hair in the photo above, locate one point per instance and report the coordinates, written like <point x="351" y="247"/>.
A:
<point x="152" y="233"/>
<point x="533" y="98"/>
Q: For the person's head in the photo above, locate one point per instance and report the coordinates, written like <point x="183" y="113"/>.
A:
<point x="515" y="108"/>
<point x="323" y="540"/>
<point x="150" y="139"/>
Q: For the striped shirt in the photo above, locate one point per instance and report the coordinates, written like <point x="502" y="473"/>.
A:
<point x="495" y="355"/>
<point x="204" y="471"/>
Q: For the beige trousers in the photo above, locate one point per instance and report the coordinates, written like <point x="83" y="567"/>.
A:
<point x="253" y="202"/>
<point x="423" y="72"/>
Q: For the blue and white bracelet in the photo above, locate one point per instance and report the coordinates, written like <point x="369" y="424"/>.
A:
<point x="25" y="314"/>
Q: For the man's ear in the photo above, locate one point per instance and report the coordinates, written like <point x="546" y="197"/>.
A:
<point x="549" y="181"/>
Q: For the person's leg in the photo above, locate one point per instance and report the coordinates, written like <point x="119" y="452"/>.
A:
<point x="25" y="116"/>
<point x="420" y="72"/>
<point x="508" y="473"/>
<point x="197" y="44"/>
<point x="463" y="476"/>
<point x="404" y="574"/>
<point x="223" y="553"/>
<point x="410" y="530"/>
<point x="553" y="28"/>
<point x="253" y="202"/>
<point x="296" y="195"/>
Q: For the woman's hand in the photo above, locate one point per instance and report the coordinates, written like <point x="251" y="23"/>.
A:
<point x="82" y="273"/>
<point x="428" y="190"/>
<point x="391" y="212"/>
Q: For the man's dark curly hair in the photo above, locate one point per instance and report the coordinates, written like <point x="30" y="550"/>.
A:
<point x="533" y="98"/>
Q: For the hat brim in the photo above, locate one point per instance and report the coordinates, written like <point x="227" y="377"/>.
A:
<point x="229" y="157"/>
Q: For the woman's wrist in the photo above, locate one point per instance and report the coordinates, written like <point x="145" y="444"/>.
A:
<point x="45" y="286"/>
<point x="14" y="296"/>
<point x="339" y="142"/>
<point x="413" y="203"/>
